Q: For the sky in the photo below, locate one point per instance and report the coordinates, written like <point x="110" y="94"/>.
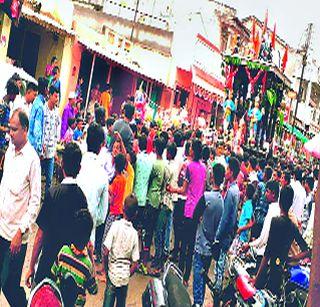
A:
<point x="291" y="17"/>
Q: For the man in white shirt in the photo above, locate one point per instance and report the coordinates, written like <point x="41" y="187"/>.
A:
<point x="51" y="135"/>
<point x="20" y="193"/>
<point x="272" y="195"/>
<point x="26" y="103"/>
<point x="93" y="181"/>
<point x="300" y="195"/>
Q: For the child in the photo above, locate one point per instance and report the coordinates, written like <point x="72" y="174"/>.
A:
<point x="116" y="193"/>
<point x="109" y="123"/>
<point x="121" y="252"/>
<point x="74" y="260"/>
<point x="245" y="221"/>
<point x="68" y="137"/>
<point x="78" y="133"/>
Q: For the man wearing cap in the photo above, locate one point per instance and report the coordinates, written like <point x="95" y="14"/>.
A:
<point x="68" y="113"/>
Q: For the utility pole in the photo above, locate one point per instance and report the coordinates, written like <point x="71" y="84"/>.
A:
<point x="134" y="19"/>
<point x="314" y="289"/>
<point x="304" y="64"/>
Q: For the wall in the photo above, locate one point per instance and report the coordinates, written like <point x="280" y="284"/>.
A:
<point x="70" y="64"/>
<point x="156" y="39"/>
<point x="147" y="61"/>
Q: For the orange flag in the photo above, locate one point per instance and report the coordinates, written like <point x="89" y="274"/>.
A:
<point x="273" y="37"/>
<point x="285" y="59"/>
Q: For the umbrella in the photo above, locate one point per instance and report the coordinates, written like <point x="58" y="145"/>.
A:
<point x="313" y="146"/>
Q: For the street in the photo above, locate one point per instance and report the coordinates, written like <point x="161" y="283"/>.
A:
<point x="137" y="285"/>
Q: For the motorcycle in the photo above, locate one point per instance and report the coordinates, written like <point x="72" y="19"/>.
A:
<point x="296" y="286"/>
<point x="167" y="291"/>
<point x="239" y="290"/>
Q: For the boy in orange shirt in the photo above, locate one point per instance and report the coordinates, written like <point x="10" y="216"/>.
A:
<point x="116" y="193"/>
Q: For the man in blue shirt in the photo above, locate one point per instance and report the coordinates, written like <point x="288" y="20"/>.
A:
<point x="210" y="207"/>
<point x="226" y="229"/>
<point x="36" y="119"/>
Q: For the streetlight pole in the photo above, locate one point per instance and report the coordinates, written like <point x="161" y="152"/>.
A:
<point x="304" y="64"/>
<point x="134" y="19"/>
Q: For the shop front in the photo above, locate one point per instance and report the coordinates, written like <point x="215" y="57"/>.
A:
<point x="98" y="67"/>
<point x="36" y="40"/>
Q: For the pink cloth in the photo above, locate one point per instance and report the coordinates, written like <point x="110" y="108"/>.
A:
<point x="49" y="69"/>
<point x="313" y="146"/>
<point x="196" y="177"/>
<point x="68" y="137"/>
<point x="45" y="296"/>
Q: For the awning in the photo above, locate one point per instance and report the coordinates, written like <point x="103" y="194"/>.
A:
<point x="45" y="21"/>
<point x="207" y="82"/>
<point x="299" y="135"/>
<point x="120" y="61"/>
<point x="205" y="94"/>
<point x="184" y="79"/>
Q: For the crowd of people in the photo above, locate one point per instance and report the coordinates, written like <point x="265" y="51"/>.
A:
<point x="135" y="195"/>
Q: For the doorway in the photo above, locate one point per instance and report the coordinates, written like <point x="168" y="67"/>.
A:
<point x="24" y="48"/>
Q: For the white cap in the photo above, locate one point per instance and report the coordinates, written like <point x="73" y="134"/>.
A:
<point x="72" y="95"/>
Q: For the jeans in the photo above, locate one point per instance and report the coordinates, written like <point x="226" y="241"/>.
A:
<point x="219" y="271"/>
<point x="98" y="241"/>
<point x="187" y="247"/>
<point x="201" y="264"/>
<point x="160" y="235"/>
<point x="178" y="215"/>
<point x="168" y="235"/>
<point x="150" y="222"/>
<point x="10" y="274"/>
<point x="113" y="294"/>
<point x="47" y="166"/>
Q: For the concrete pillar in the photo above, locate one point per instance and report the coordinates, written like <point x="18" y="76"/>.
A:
<point x="66" y="70"/>
<point x="314" y="290"/>
<point x="5" y="28"/>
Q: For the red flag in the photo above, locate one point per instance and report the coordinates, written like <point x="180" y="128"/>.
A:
<point x="265" y="25"/>
<point x="257" y="44"/>
<point x="285" y="59"/>
<point x="273" y="37"/>
<point x="253" y="30"/>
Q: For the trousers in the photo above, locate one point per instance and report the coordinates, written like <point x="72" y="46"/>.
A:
<point x="11" y="270"/>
